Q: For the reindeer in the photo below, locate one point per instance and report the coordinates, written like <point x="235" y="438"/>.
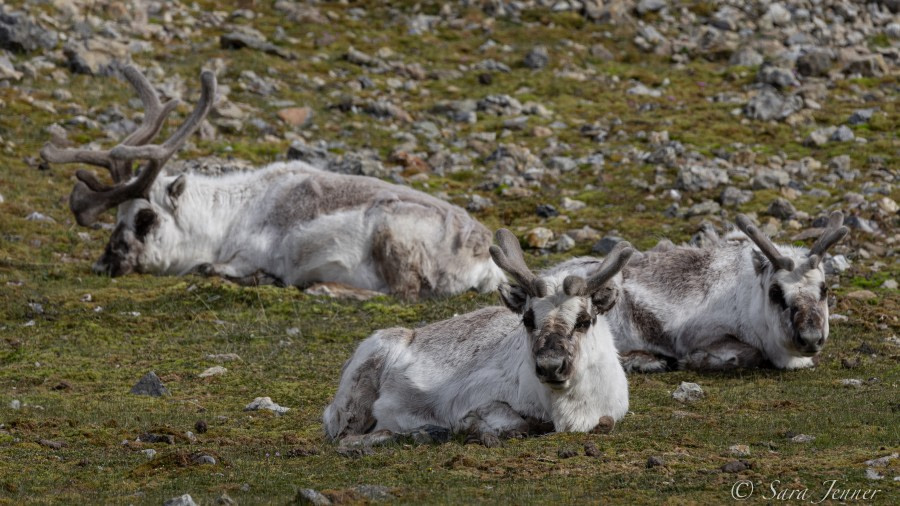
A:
<point x="286" y="224"/>
<point x="547" y="356"/>
<point x="725" y="305"/>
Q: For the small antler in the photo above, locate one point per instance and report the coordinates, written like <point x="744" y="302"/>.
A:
<point x="90" y="197"/>
<point x="834" y="232"/>
<point x="612" y="264"/>
<point x="765" y="245"/>
<point x="508" y="256"/>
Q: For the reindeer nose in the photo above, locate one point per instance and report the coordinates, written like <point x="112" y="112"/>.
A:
<point x="812" y="341"/>
<point x="550" y="368"/>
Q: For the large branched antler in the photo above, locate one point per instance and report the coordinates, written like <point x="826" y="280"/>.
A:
<point x="90" y="197"/>
<point x="509" y="257"/>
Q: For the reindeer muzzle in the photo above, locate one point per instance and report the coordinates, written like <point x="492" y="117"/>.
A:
<point x="552" y="369"/>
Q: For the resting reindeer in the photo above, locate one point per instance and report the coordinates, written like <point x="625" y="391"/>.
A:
<point x="549" y="359"/>
<point x="287" y="223"/>
<point x="725" y="305"/>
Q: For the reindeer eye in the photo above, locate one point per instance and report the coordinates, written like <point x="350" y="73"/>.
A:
<point x="777" y="296"/>
<point x="528" y="319"/>
<point x="823" y="291"/>
<point x="583" y="324"/>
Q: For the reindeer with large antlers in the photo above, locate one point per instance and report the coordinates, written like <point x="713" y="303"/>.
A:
<point x="740" y="301"/>
<point x="287" y="223"/>
<point x="547" y="356"/>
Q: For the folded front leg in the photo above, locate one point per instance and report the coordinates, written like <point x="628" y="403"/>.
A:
<point x="721" y="355"/>
<point x="491" y="423"/>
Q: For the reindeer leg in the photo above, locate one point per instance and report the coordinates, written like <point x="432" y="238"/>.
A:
<point x="399" y="263"/>
<point x="493" y="422"/>
<point x="724" y="354"/>
<point x="643" y="361"/>
<point x="257" y="278"/>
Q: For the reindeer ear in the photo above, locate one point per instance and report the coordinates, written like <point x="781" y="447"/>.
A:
<point x="605" y="298"/>
<point x="144" y="222"/>
<point x="760" y="263"/>
<point x="513" y="297"/>
<point x="176" y="188"/>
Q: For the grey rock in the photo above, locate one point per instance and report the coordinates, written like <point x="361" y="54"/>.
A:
<point x="421" y="24"/>
<point x="777" y="77"/>
<point x="500" y="105"/>
<point x="814" y="63"/>
<point x="478" y="203"/>
<point x="861" y="116"/>
<point x="842" y="134"/>
<point x="374" y="492"/>
<point x="697" y="177"/>
<point x="8" y="70"/>
<point x="735" y="466"/>
<point x="183" y="500"/>
<point x="561" y="163"/>
<point x="770" y="178"/>
<point x="803" y="438"/>
<point x="645" y="6"/>
<point x="872" y="65"/>
<point x="770" y="104"/>
<point x="654" y="461"/>
<point x="266" y="403"/>
<point x="546" y="211"/>
<point x="240" y="40"/>
<point x="358" y="164"/>
<point x="565" y="243"/>
<point x="15" y="404"/>
<point x="600" y="52"/>
<point x="873" y="474"/>
<point x="882" y="461"/>
<point x="746" y="57"/>
<point x="688" y="392"/>
<point x="151" y="385"/>
<point x="19" y="32"/>
<point x="781" y="209"/>
<point x="537" y="58"/>
<point x="204" y="460"/>
<point x="36" y="216"/>
<point x="491" y="65"/>
<point x="703" y="208"/>
<point x="605" y="245"/>
<point x="149" y="453"/>
<point x="101" y="57"/>
<point x="310" y="496"/>
<point x="316" y="156"/>
<point x="819" y="137"/>
<point x="732" y="196"/>
<point x="642" y="90"/>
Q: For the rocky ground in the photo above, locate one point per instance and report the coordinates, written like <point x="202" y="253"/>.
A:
<point x="573" y="123"/>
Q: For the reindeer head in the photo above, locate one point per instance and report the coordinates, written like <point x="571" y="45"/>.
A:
<point x="138" y="214"/>
<point x="795" y="284"/>
<point x="558" y="312"/>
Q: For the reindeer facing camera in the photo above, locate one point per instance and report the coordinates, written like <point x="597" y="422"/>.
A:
<point x="287" y="223"/>
<point x="737" y="302"/>
<point x="547" y="356"/>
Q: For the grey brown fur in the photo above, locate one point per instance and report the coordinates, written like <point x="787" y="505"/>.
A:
<point x="285" y="224"/>
<point x="740" y="301"/>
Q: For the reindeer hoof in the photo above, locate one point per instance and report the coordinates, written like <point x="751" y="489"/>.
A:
<point x="604" y="426"/>
<point x="206" y="269"/>
<point x="491" y="441"/>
